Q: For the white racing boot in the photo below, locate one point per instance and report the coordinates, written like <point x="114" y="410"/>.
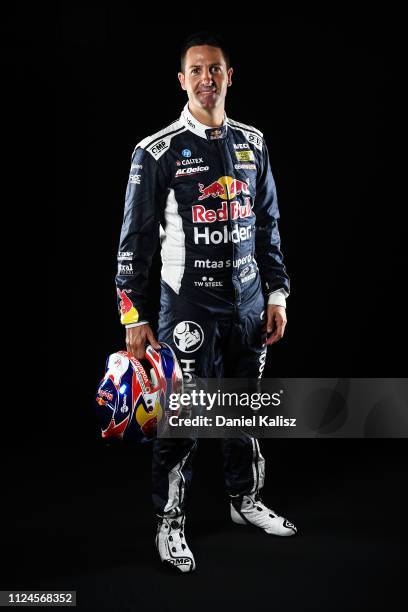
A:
<point x="252" y="511"/>
<point x="171" y="544"/>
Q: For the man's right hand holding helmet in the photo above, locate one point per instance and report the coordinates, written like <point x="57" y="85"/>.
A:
<point x="138" y="337"/>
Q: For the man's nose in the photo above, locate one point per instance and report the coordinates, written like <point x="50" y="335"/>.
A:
<point x="207" y="77"/>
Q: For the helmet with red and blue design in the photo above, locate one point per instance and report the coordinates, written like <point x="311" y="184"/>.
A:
<point x="134" y="394"/>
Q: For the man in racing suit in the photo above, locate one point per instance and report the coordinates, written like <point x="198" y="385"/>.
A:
<point x="206" y="182"/>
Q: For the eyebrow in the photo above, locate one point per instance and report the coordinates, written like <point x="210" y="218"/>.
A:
<point x="199" y="65"/>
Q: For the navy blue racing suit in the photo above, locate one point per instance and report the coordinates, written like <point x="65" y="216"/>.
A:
<point x="208" y="195"/>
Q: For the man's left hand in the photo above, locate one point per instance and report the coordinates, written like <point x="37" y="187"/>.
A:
<point x="275" y="323"/>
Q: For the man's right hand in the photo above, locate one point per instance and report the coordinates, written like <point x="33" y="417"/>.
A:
<point x="138" y="337"/>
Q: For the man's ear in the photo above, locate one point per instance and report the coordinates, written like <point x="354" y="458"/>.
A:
<point x="182" y="80"/>
<point x="229" y="73"/>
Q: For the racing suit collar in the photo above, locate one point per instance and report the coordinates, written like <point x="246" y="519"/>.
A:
<point x="209" y="133"/>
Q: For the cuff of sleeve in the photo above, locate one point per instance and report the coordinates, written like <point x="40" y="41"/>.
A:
<point x="136" y="324"/>
<point x="278" y="298"/>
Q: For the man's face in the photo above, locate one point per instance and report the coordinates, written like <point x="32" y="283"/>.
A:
<point x="206" y="77"/>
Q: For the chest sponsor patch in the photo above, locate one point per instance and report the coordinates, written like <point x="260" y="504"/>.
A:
<point x="191" y="170"/>
<point x="245" y="156"/>
<point x="189" y="162"/>
<point x="234" y="211"/>
<point x="208" y="281"/>
<point x="225" y="188"/>
<point x="245" y="166"/>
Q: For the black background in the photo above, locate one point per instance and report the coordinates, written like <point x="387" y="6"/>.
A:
<point x="319" y="86"/>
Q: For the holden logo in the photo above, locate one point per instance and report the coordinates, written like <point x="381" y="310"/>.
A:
<point x="188" y="336"/>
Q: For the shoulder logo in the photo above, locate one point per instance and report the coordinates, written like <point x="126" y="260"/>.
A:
<point x="256" y="140"/>
<point x="159" y="147"/>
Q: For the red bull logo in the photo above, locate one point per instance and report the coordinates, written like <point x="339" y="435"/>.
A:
<point x="216" y="190"/>
<point x="235" y="211"/>
<point x="225" y="188"/>
<point x="105" y="394"/>
<point x="128" y="312"/>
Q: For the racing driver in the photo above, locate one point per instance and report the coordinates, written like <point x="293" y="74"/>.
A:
<point x="204" y="187"/>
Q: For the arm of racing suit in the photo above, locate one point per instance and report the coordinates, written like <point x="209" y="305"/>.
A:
<point x="275" y="281"/>
<point x="139" y="237"/>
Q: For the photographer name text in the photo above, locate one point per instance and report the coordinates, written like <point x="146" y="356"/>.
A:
<point x="256" y="420"/>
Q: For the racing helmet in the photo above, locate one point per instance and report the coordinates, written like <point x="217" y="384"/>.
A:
<point x="133" y="394"/>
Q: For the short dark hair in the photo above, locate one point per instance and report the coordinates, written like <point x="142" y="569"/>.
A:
<point x="204" y="38"/>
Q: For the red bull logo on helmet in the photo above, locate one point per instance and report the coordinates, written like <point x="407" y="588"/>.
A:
<point x="105" y="394"/>
<point x="225" y="188"/>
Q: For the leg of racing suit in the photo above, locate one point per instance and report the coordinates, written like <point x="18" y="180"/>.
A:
<point x="244" y="357"/>
<point x="209" y="344"/>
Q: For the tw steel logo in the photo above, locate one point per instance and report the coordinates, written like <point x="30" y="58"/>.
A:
<point x="225" y="188"/>
<point x="201" y="214"/>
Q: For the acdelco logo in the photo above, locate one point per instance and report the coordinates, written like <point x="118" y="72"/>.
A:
<point x="189" y="171"/>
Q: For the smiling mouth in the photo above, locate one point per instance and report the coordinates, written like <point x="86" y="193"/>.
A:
<point x="208" y="91"/>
